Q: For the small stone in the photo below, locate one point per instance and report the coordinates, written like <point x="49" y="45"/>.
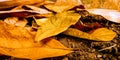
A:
<point x="93" y="50"/>
<point x="99" y="56"/>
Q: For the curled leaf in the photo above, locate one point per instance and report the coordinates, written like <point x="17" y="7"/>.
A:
<point x="100" y="34"/>
<point x="63" y="5"/>
<point x="111" y="15"/>
<point x="56" y="24"/>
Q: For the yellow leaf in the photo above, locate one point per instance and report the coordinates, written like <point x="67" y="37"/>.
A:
<point x="18" y="42"/>
<point x="56" y="24"/>
<point x="12" y="36"/>
<point x="100" y="34"/>
<point x="77" y="33"/>
<point x="103" y="34"/>
<point x="63" y="5"/>
<point x="49" y="49"/>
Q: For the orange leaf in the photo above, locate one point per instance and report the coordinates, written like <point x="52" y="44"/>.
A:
<point x="18" y="42"/>
<point x="63" y="5"/>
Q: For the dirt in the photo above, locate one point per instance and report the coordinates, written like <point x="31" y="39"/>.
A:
<point x="88" y="50"/>
<point x="92" y="50"/>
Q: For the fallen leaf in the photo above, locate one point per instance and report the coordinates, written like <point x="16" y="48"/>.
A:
<point x="100" y="34"/>
<point x="16" y="21"/>
<point x="41" y="21"/>
<point x="18" y="8"/>
<point x="103" y="34"/>
<point x="49" y="49"/>
<point x="11" y="20"/>
<point x="12" y="36"/>
<point x="77" y="33"/>
<point x="63" y="5"/>
<point x="13" y="3"/>
<point x="111" y="15"/>
<point x="56" y="24"/>
<point x="18" y="42"/>
<point x="40" y="10"/>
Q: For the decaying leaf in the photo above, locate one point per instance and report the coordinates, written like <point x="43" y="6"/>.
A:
<point x="18" y="42"/>
<point x="63" y="5"/>
<point x="111" y="15"/>
<point x="100" y="34"/>
<point x="56" y="24"/>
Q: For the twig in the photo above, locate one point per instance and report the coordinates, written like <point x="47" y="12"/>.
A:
<point x="108" y="47"/>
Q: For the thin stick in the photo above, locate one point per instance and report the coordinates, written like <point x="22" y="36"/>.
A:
<point x="108" y="47"/>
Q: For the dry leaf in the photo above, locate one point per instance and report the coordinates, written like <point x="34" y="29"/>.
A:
<point x="11" y="20"/>
<point x="103" y="34"/>
<point x="56" y="24"/>
<point x="77" y="33"/>
<point x="100" y="34"/>
<point x="48" y="49"/>
<point x="41" y="10"/>
<point x="18" y="8"/>
<point x="12" y="3"/>
<point x="18" y="42"/>
<point x="111" y="15"/>
<point x="15" y="21"/>
<point x="12" y="36"/>
<point x="23" y="13"/>
<point x="63" y="5"/>
<point x="41" y="21"/>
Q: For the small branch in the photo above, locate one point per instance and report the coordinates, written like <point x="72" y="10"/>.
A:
<point x="108" y="47"/>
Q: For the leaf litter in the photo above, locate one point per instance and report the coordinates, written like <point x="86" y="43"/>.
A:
<point x="46" y="43"/>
